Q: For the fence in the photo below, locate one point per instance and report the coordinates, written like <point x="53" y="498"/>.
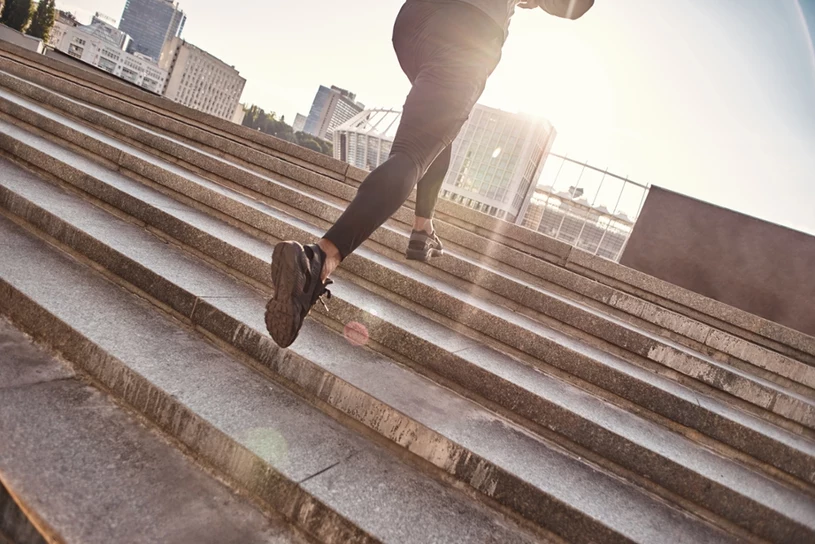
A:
<point x="584" y="206"/>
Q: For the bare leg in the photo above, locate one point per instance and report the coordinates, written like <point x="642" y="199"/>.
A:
<point x="332" y="257"/>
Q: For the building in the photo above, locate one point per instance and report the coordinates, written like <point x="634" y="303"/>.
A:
<point x="299" y="123"/>
<point x="63" y="21"/>
<point x="8" y="34"/>
<point x="200" y="81"/>
<point x="102" y="27"/>
<point x="239" y="115"/>
<point x="585" y="207"/>
<point x="578" y="223"/>
<point x="365" y="140"/>
<point x="100" y="44"/>
<point x="331" y="108"/>
<point x="151" y="24"/>
<point x="497" y="159"/>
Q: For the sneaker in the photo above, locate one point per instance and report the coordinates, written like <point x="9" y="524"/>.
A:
<point x="423" y="246"/>
<point x="297" y="287"/>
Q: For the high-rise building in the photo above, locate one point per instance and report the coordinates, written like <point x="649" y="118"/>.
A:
<point x="365" y="140"/>
<point x="331" y="108"/>
<point x="497" y="159"/>
<point x="299" y="123"/>
<point x="151" y="23"/>
<point x="199" y="80"/>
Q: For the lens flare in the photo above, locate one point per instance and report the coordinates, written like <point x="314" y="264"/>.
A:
<point x="356" y="333"/>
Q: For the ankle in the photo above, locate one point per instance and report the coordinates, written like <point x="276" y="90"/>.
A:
<point x="332" y="258"/>
<point x="421" y="224"/>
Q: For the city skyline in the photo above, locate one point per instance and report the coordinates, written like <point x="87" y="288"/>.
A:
<point x="714" y="100"/>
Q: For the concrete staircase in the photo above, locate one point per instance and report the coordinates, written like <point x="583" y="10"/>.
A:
<point x="515" y="390"/>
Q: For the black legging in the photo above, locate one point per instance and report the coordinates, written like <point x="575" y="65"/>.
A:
<point x="447" y="50"/>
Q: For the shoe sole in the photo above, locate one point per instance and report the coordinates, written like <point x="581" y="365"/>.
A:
<point x="419" y="255"/>
<point x="289" y="263"/>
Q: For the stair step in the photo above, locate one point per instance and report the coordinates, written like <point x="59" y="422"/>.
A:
<point x="121" y="482"/>
<point x="226" y="138"/>
<point x="691" y="408"/>
<point x="796" y="403"/>
<point x="328" y="481"/>
<point x="750" y="499"/>
<point x="632" y="309"/>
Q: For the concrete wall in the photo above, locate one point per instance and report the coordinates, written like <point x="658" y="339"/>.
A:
<point x="760" y="267"/>
<point x="18" y="38"/>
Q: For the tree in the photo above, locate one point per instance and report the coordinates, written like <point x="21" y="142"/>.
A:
<point x="17" y="14"/>
<point x="43" y="20"/>
<point x="256" y="118"/>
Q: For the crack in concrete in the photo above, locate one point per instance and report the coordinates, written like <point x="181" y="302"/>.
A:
<point x="323" y="471"/>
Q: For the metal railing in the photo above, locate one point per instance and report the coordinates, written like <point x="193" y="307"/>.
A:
<point x="585" y="206"/>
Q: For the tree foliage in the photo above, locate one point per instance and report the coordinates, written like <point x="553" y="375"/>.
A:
<point x="16" y="14"/>
<point x="256" y="118"/>
<point x="43" y="20"/>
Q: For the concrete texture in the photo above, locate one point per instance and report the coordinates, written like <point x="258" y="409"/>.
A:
<point x="716" y="426"/>
<point x="67" y="86"/>
<point x="419" y="435"/>
<point x="762" y="268"/>
<point x="742" y="384"/>
<point x="339" y="375"/>
<point x="15" y="527"/>
<point x="639" y="445"/>
<point x="245" y="426"/>
<point x="15" y="58"/>
<point x="453" y="233"/>
<point x="20" y="365"/>
<point x="93" y="473"/>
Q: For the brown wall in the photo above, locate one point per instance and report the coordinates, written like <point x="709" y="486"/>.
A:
<point x="760" y="267"/>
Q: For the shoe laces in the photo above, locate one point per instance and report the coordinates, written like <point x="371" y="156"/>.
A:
<point x="322" y="294"/>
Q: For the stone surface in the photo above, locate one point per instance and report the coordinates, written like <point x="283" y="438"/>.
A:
<point x="15" y="527"/>
<point x="248" y="411"/>
<point x="757" y="447"/>
<point x="20" y="364"/>
<point x="646" y="344"/>
<point x="232" y="314"/>
<point x="93" y="473"/>
<point x="646" y="445"/>
<point x="130" y="131"/>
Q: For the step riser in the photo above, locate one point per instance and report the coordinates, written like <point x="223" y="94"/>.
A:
<point x="725" y="343"/>
<point x="774" y="400"/>
<point x="687" y="413"/>
<point x="375" y="415"/>
<point x="634" y="342"/>
<point x="531" y="476"/>
<point x="758" y="330"/>
<point x="553" y="308"/>
<point x="209" y="444"/>
<point x="290" y="369"/>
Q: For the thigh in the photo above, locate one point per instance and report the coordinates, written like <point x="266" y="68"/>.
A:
<point x="453" y="50"/>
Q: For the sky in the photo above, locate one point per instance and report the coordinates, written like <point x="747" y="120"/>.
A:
<point x="713" y="99"/>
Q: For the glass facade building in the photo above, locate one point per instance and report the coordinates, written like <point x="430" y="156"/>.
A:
<point x="331" y="108"/>
<point x="150" y="24"/>
<point x="497" y="159"/>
